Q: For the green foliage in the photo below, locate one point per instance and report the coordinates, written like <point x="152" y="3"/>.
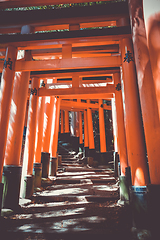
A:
<point x="59" y="6"/>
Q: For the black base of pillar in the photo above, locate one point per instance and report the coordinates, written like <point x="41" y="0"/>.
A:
<point x="128" y="176"/>
<point x="86" y="151"/>
<point x="11" y="179"/>
<point x="154" y="209"/>
<point x="59" y="160"/>
<point x="45" y="159"/>
<point x="28" y="186"/>
<point x="104" y="158"/>
<point x="53" y="166"/>
<point x="116" y="160"/>
<point x="91" y="153"/>
<point x="1" y="195"/>
<point x="66" y="136"/>
<point x="90" y="161"/>
<point x="37" y="173"/>
<point x="75" y="143"/>
<point x="124" y="190"/>
<point x="139" y="206"/>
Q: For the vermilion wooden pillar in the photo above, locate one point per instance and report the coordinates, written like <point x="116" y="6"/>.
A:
<point x="49" y="103"/>
<point x="149" y="74"/>
<point x="114" y="120"/>
<point x="121" y="138"/>
<point x="5" y="99"/>
<point x="37" y="166"/>
<point x="62" y="121"/>
<point x="134" y="129"/>
<point x="77" y="124"/>
<point x="55" y="127"/>
<point x="31" y="125"/>
<point x="145" y="35"/>
<point x="80" y="128"/>
<point x="85" y="129"/>
<point x="27" y="168"/>
<point x="66" y="114"/>
<point x="26" y="113"/>
<point x="39" y="129"/>
<point x="17" y="116"/>
<point x="90" y="128"/>
<point x="102" y="127"/>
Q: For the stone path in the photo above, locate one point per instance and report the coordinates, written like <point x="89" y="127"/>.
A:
<point x="80" y="203"/>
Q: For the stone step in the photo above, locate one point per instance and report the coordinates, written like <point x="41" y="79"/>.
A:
<point x="89" y="198"/>
<point x="65" y="180"/>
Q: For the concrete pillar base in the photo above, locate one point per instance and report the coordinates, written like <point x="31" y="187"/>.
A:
<point x="128" y="176"/>
<point x="154" y="208"/>
<point x="90" y="161"/>
<point x="1" y="194"/>
<point x="37" y="173"/>
<point x="124" y="190"/>
<point x="45" y="159"/>
<point x="86" y="151"/>
<point x="116" y="160"/>
<point x="91" y="153"/>
<point x="103" y="158"/>
<point x="53" y="166"/>
<point x="28" y="186"/>
<point x="139" y="206"/>
<point x="11" y="179"/>
<point x="66" y="136"/>
<point x="75" y="143"/>
<point x="59" y="160"/>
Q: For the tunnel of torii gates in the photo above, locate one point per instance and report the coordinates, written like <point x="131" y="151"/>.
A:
<point x="51" y="69"/>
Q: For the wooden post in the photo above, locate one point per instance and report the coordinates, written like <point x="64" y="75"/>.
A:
<point x="27" y="168"/>
<point x="62" y="121"/>
<point x="5" y="99"/>
<point x="85" y="130"/>
<point x="49" y="103"/>
<point x="77" y="124"/>
<point x="122" y="146"/>
<point x="146" y="49"/>
<point x="31" y="125"/>
<point x="39" y="130"/>
<point x="102" y="127"/>
<point x="134" y="129"/>
<point x="90" y="128"/>
<point x="55" y="128"/>
<point x="66" y="115"/>
<point x="80" y="129"/>
<point x="17" y="116"/>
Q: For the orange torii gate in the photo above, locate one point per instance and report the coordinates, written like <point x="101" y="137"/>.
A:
<point x="74" y="54"/>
